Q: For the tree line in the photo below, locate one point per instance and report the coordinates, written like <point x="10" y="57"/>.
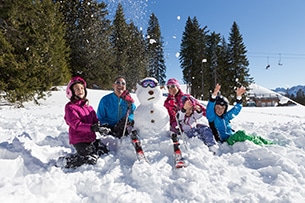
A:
<point x="207" y="59"/>
<point x="45" y="42"/>
<point x="299" y="97"/>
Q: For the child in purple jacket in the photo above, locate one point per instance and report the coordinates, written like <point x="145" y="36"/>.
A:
<point x="83" y="123"/>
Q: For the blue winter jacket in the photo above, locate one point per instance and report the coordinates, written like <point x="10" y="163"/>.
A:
<point x="222" y="123"/>
<point x="112" y="109"/>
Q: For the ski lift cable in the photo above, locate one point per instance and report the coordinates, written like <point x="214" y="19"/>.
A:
<point x="275" y="55"/>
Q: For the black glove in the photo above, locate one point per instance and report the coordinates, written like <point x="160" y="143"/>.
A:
<point x="95" y="127"/>
<point x="117" y="130"/>
<point x="130" y="123"/>
<point x="104" y="130"/>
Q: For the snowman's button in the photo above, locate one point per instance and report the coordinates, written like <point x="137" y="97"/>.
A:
<point x="152" y="120"/>
<point x="152" y="111"/>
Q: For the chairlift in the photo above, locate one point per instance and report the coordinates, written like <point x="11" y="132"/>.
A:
<point x="280" y="63"/>
<point x="268" y="65"/>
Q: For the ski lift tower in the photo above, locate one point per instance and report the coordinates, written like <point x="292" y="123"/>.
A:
<point x="203" y="61"/>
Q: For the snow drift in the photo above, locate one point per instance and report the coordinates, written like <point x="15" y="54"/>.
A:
<point x="32" y="138"/>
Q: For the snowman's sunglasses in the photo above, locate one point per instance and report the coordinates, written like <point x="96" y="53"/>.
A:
<point x="150" y="83"/>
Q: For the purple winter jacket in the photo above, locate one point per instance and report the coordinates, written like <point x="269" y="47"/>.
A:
<point x="80" y="116"/>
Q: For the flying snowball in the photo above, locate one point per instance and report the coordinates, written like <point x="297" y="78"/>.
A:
<point x="152" y="41"/>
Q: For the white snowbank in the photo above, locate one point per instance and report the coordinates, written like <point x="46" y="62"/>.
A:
<point x="32" y="138"/>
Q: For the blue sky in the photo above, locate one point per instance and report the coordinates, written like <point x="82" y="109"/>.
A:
<point x="273" y="31"/>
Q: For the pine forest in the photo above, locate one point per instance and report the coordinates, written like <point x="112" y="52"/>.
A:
<point x="43" y="43"/>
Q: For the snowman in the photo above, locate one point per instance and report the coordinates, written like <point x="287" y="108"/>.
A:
<point x="151" y="117"/>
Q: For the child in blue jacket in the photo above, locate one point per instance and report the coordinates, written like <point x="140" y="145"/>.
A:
<point x="219" y="118"/>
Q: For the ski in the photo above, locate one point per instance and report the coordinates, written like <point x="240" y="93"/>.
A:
<point x="137" y="145"/>
<point x="179" y="161"/>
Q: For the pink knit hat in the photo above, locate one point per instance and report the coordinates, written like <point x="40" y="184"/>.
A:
<point x="173" y="81"/>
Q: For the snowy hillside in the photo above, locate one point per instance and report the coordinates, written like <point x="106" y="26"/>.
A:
<point x="32" y="138"/>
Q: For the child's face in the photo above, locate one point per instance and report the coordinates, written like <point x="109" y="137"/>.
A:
<point x="79" y="90"/>
<point x="219" y="110"/>
<point x="188" y="104"/>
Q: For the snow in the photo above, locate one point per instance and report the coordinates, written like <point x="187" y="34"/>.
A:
<point x="152" y="41"/>
<point x="32" y="138"/>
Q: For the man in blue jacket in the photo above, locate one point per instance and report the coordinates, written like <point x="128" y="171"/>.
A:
<point x="115" y="107"/>
<point x="219" y="118"/>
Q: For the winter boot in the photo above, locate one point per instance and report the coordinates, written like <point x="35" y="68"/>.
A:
<point x="91" y="159"/>
<point x="213" y="149"/>
<point x="74" y="161"/>
<point x="137" y="145"/>
<point x="179" y="161"/>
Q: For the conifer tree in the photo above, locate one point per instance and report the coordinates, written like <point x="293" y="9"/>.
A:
<point x="128" y="45"/>
<point x="192" y="52"/>
<point x="7" y="64"/>
<point x="300" y="97"/>
<point x="6" y="56"/>
<point x="223" y="66"/>
<point x="214" y="68"/>
<point x="53" y="48"/>
<point x="156" y="61"/>
<point x="137" y="57"/>
<point x="238" y="67"/>
<point x="87" y="35"/>
<point x="33" y="42"/>
<point x="120" y="42"/>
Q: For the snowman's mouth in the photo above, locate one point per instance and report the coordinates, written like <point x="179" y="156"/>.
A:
<point x="151" y="98"/>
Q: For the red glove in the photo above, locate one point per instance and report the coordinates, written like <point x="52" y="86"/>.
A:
<point x="127" y="97"/>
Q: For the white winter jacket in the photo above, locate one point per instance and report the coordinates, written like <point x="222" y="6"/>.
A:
<point x="188" y="122"/>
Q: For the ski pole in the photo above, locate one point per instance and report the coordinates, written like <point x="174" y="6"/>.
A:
<point x="126" y="120"/>
<point x="181" y="133"/>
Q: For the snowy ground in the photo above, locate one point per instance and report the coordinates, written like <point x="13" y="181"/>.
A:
<point x="32" y="138"/>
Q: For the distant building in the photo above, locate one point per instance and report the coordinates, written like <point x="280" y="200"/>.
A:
<point x="263" y="100"/>
<point x="263" y="97"/>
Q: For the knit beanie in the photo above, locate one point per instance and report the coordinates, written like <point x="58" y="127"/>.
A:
<point x="173" y="81"/>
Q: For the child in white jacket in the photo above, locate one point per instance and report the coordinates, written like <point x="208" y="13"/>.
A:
<point x="188" y="118"/>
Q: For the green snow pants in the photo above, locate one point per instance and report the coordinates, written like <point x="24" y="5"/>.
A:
<point x="241" y="136"/>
